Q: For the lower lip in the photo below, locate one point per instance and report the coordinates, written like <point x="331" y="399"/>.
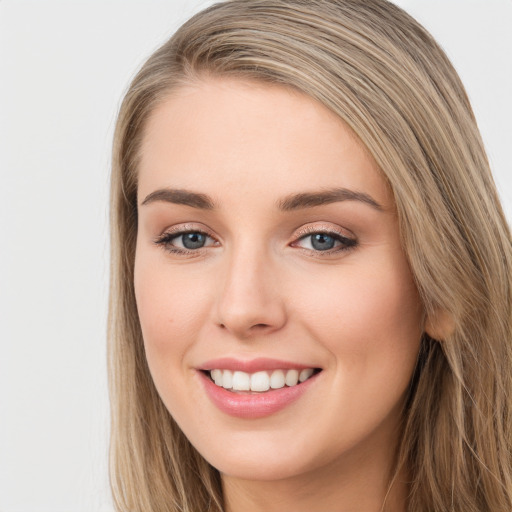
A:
<point x="254" y="405"/>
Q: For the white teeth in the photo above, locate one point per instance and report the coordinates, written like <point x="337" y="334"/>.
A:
<point x="217" y="377"/>
<point x="227" y="379"/>
<point x="305" y="374"/>
<point x="292" y="377"/>
<point x="259" y="381"/>
<point x="277" y="379"/>
<point x="241" y="381"/>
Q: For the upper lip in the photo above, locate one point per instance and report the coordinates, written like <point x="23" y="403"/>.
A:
<point x="252" y="366"/>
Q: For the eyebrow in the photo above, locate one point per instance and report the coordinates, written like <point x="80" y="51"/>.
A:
<point x="179" y="196"/>
<point x="292" y="202"/>
<point x="333" y="195"/>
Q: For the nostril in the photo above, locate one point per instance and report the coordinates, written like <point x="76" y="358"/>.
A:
<point x="253" y="327"/>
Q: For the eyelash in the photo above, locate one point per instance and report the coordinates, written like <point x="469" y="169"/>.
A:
<point x="165" y="241"/>
<point x="345" y="243"/>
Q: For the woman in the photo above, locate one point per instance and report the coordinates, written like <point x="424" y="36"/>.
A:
<point x="311" y="286"/>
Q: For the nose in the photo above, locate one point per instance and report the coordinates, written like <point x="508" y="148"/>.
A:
<point x="250" y="300"/>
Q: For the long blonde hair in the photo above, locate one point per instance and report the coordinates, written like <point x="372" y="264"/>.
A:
<point x="383" y="74"/>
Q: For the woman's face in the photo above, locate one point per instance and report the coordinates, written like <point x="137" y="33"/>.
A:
<point x="268" y="249"/>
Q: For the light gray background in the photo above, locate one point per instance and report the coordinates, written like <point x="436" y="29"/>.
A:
<point x="63" y="68"/>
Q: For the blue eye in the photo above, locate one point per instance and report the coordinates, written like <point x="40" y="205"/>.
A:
<point x="185" y="241"/>
<point x="325" y="242"/>
<point x="322" y="242"/>
<point x="193" y="240"/>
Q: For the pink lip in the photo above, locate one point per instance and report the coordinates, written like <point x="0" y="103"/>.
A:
<point x="254" y="405"/>
<point x="255" y="365"/>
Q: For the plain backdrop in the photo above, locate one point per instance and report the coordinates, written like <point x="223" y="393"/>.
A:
<point x="63" y="69"/>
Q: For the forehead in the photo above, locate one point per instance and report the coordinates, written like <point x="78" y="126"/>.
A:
<point x="232" y="135"/>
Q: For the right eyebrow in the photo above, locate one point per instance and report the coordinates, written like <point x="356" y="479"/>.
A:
<point x="179" y="196"/>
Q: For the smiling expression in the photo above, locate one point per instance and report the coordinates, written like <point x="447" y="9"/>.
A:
<point x="268" y="242"/>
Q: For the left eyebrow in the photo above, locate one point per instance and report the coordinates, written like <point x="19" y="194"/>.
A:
<point x="333" y="195"/>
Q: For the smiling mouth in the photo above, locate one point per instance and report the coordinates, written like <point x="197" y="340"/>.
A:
<point x="261" y="381"/>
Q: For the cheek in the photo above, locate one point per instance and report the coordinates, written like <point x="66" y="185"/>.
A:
<point x="369" y="317"/>
<point x="171" y="311"/>
<point x="170" y="308"/>
<point x="370" y="323"/>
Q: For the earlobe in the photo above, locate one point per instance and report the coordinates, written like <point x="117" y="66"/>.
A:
<point x="440" y="325"/>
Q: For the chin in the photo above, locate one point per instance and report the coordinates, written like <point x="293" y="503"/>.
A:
<point x="267" y="458"/>
<point x="256" y="469"/>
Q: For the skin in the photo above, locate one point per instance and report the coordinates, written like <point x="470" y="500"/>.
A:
<point x="258" y="288"/>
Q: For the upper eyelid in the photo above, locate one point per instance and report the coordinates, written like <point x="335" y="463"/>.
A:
<point x="303" y="231"/>
<point x="311" y="229"/>
<point x="181" y="229"/>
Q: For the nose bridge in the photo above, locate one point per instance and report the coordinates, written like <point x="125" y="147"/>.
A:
<point x="249" y="300"/>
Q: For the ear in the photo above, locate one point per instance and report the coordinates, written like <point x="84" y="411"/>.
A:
<point x="440" y="325"/>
